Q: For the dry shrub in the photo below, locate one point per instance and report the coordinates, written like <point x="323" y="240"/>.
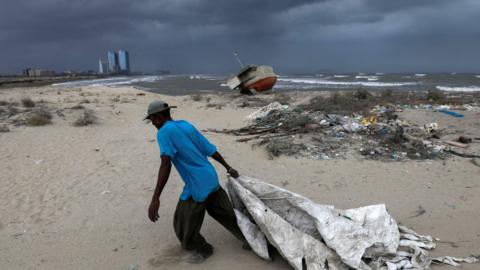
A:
<point x="87" y="118"/>
<point x="338" y="103"/>
<point x="298" y="121"/>
<point x="13" y="110"/>
<point x="282" y="98"/>
<point x="4" y="128"/>
<point x="77" y="107"/>
<point x="27" y="102"/>
<point x="126" y="100"/>
<point x="84" y="101"/>
<point x="39" y="118"/>
<point x="196" y="97"/>
<point x="4" y="103"/>
<point x="362" y="94"/>
<point x="436" y="96"/>
<point x="278" y="147"/>
<point x="386" y="93"/>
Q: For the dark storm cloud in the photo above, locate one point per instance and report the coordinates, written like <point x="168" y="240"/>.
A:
<point x="200" y="35"/>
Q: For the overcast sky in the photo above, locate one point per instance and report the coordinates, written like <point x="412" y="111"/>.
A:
<point x="199" y="36"/>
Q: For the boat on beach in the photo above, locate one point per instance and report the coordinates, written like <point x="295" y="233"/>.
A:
<point x="252" y="79"/>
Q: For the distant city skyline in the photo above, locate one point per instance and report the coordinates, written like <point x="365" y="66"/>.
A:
<point x="118" y="62"/>
<point x="199" y="36"/>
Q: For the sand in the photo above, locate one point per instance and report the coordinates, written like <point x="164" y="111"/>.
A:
<point x="77" y="197"/>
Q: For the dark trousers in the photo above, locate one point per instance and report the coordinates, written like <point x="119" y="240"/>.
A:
<point x="189" y="216"/>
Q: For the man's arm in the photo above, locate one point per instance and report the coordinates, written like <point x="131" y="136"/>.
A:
<point x="163" y="174"/>
<point x="222" y="161"/>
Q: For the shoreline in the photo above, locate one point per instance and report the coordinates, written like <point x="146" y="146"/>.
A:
<point x="23" y="81"/>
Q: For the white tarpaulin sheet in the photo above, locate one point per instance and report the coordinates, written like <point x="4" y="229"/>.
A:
<point x="314" y="236"/>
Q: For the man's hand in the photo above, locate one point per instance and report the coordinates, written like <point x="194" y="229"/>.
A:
<point x="233" y="173"/>
<point x="153" y="210"/>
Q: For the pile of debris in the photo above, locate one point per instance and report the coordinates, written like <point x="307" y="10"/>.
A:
<point x="375" y="134"/>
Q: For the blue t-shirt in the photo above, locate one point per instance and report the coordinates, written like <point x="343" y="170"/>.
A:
<point x="189" y="150"/>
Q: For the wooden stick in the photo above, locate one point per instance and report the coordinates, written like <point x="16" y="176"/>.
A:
<point x="457" y="144"/>
<point x="465" y="155"/>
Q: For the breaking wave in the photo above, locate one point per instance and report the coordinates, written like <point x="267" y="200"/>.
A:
<point x="471" y="88"/>
<point x="110" y="81"/>
<point x="317" y="82"/>
<point x="370" y="78"/>
<point x="420" y="75"/>
<point x="341" y="76"/>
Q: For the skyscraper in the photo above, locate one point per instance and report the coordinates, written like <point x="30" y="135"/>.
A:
<point x="102" y="67"/>
<point x="112" y="58"/>
<point x="123" y="61"/>
<point x="117" y="62"/>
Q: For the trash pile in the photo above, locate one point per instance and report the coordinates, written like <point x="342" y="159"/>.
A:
<point x="315" y="236"/>
<point x="380" y="135"/>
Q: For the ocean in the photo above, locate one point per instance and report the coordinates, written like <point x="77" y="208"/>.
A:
<point x="200" y="83"/>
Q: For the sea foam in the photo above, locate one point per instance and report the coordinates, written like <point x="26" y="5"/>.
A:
<point x="471" y="88"/>
<point x="109" y="81"/>
<point x="319" y="82"/>
<point x="370" y="78"/>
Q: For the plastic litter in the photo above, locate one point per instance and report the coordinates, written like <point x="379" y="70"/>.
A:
<point x="431" y="127"/>
<point x="315" y="236"/>
<point x="454" y="261"/>
<point x="469" y="107"/>
<point x="452" y="113"/>
<point x="369" y="120"/>
<point x="350" y="126"/>
<point x="442" y="107"/>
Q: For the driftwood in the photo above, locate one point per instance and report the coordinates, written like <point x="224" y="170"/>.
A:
<point x="465" y="155"/>
<point x="456" y="144"/>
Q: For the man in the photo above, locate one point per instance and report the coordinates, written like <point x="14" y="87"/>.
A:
<point x="184" y="146"/>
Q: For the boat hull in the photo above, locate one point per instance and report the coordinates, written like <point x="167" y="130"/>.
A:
<point x="253" y="79"/>
<point x="263" y="84"/>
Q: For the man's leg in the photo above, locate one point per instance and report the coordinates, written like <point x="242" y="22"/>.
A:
<point x="187" y="223"/>
<point x="219" y="207"/>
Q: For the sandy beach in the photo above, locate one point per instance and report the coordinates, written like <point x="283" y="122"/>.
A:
<point x="76" y="197"/>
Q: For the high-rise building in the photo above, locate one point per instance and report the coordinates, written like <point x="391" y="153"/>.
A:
<point x="117" y="62"/>
<point x="123" y="61"/>
<point x="112" y="58"/>
<point x="102" y="67"/>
